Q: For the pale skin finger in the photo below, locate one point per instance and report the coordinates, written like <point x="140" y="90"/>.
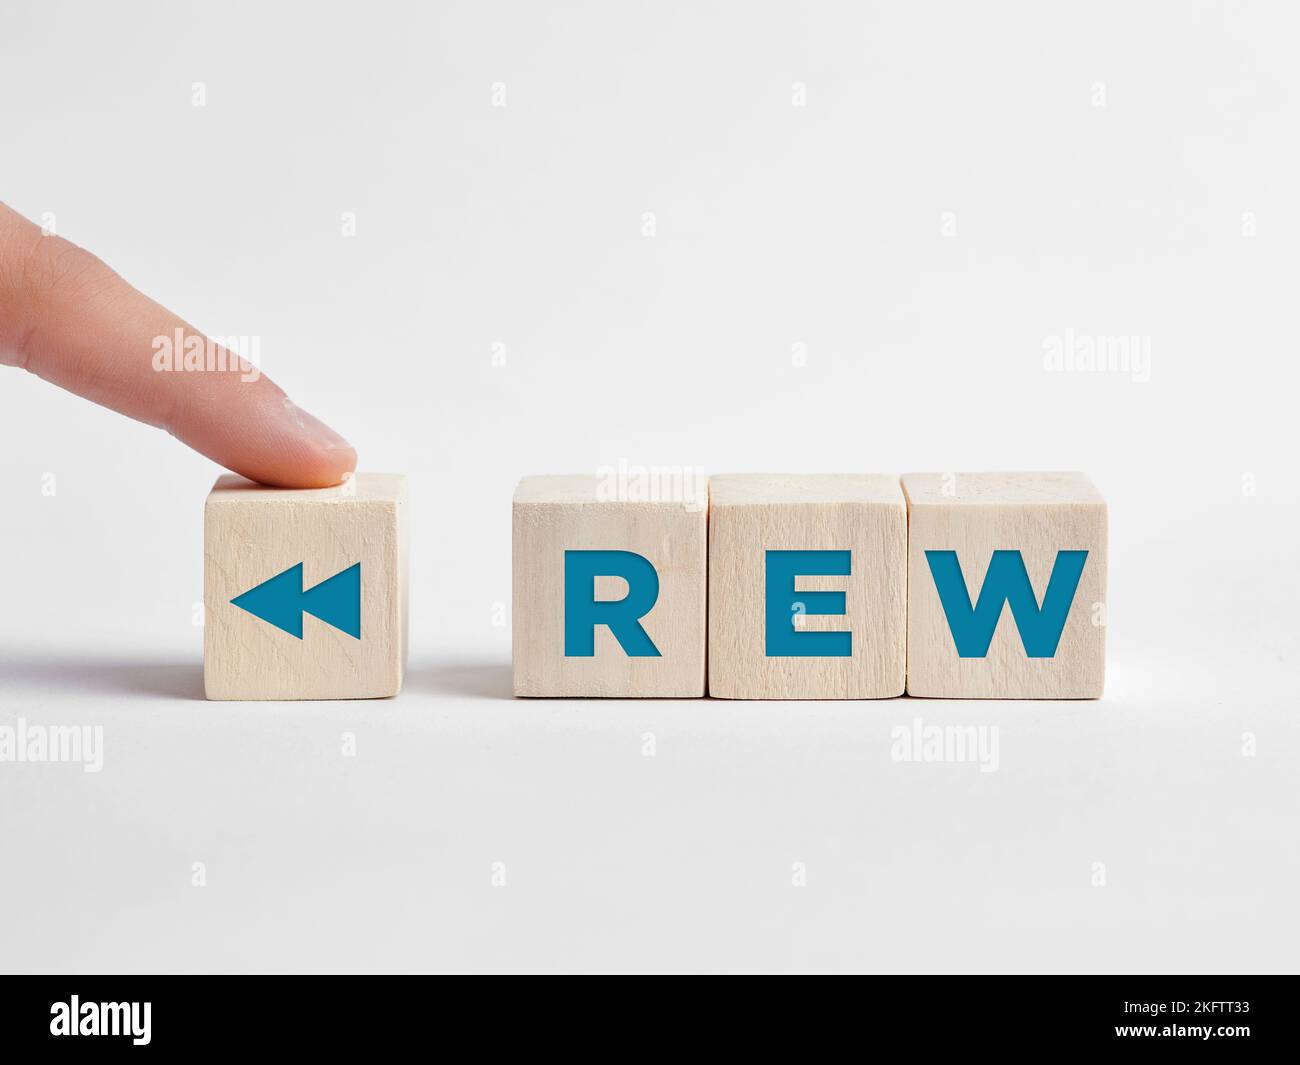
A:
<point x="68" y="318"/>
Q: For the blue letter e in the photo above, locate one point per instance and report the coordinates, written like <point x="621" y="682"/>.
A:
<point x="784" y="604"/>
<point x="582" y="612"/>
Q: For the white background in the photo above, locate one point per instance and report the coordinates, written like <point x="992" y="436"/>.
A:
<point x="1112" y="169"/>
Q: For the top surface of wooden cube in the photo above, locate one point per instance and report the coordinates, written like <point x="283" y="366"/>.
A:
<point x="585" y="489"/>
<point x="766" y="489"/>
<point x="360" y="488"/>
<point x="1000" y="489"/>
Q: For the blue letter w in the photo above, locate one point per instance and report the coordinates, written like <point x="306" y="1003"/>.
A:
<point x="1007" y="581"/>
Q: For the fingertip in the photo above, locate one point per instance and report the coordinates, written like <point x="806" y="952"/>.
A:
<point x="324" y="460"/>
<point x="267" y="438"/>
<point x="332" y="467"/>
<point x="300" y="462"/>
<point x="298" y="471"/>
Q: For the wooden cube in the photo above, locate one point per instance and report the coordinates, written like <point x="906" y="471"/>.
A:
<point x="305" y="590"/>
<point x="807" y="586"/>
<point x="1006" y="586"/>
<point x="608" y="590"/>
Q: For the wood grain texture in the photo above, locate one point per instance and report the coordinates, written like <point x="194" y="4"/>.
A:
<point x="555" y="514"/>
<point x="975" y="514"/>
<point x="750" y="514"/>
<point x="251" y="533"/>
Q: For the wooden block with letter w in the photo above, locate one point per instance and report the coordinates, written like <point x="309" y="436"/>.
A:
<point x="1006" y="586"/>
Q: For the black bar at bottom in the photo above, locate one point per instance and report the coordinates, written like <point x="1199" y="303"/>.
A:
<point x="338" y="1014"/>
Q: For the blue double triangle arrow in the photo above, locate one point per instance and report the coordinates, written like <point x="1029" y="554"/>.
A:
<point x="282" y="601"/>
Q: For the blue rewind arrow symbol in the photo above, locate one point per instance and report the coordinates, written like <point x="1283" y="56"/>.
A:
<point x="282" y="601"/>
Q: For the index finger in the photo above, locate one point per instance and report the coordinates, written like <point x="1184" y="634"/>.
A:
<point x="68" y="318"/>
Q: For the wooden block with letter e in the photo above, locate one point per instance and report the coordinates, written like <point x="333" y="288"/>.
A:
<point x="609" y="589"/>
<point x="807" y="586"/>
<point x="979" y="543"/>
<point x="305" y="589"/>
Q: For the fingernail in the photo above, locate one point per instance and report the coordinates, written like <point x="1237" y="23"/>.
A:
<point x="321" y="434"/>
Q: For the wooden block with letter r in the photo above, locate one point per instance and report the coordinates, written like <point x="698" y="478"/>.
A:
<point x="807" y="586"/>
<point x="609" y="590"/>
<point x="305" y="589"/>
<point x="1006" y="586"/>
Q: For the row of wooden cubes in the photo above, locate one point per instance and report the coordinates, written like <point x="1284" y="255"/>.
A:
<point x="811" y="586"/>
